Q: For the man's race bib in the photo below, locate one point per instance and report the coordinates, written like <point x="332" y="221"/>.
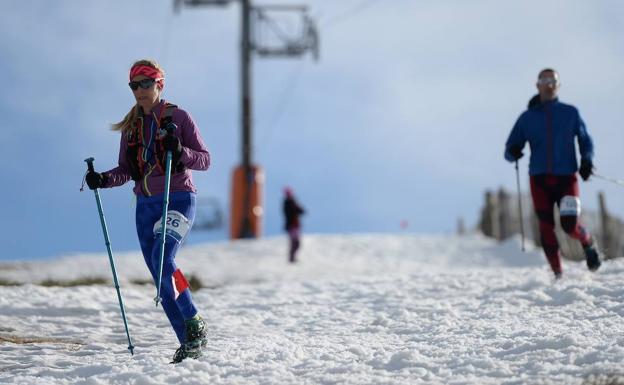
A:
<point x="177" y="225"/>
<point x="570" y="206"/>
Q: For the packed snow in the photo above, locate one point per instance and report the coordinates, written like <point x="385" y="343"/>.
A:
<point x="356" y="309"/>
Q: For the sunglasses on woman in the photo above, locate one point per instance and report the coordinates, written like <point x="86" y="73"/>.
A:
<point x="143" y="83"/>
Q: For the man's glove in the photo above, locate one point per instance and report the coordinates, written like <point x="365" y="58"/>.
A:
<point x="516" y="151"/>
<point x="586" y="168"/>
<point x="95" y="180"/>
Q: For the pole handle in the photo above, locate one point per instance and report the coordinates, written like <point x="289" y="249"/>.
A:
<point x="170" y="128"/>
<point x="90" y="164"/>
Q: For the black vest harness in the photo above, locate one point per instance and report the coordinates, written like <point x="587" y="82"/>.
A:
<point x="138" y="149"/>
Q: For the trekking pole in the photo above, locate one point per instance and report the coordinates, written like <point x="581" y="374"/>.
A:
<point x="163" y="225"/>
<point x="520" y="204"/>
<point x="110" y="257"/>
<point x="612" y="180"/>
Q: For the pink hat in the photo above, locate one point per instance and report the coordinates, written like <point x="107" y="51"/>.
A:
<point x="150" y="72"/>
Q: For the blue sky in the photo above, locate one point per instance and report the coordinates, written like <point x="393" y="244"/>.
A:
<point x="403" y="118"/>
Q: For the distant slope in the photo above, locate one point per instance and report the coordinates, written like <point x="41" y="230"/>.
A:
<point x="265" y="259"/>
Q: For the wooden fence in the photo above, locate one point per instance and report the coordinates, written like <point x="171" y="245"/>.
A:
<point x="500" y="219"/>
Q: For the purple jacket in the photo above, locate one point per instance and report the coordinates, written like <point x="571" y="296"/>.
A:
<point x="194" y="156"/>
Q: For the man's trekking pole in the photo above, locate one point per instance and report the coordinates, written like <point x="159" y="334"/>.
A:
<point x="170" y="127"/>
<point x="110" y="257"/>
<point x="612" y="180"/>
<point x="520" y="204"/>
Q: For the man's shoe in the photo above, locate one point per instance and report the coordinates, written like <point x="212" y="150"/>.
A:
<point x="592" y="257"/>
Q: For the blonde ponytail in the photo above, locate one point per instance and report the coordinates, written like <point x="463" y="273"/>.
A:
<point x="126" y="123"/>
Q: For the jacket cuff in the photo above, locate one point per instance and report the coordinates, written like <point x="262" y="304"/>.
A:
<point x="105" y="179"/>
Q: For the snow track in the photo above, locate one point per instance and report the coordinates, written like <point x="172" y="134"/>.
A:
<point x="370" y="309"/>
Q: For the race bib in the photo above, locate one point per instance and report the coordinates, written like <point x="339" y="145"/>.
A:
<point x="177" y="225"/>
<point x="570" y="206"/>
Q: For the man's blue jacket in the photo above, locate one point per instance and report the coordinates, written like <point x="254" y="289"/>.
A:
<point x="550" y="129"/>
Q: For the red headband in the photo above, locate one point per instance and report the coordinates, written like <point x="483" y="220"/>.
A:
<point x="148" y="71"/>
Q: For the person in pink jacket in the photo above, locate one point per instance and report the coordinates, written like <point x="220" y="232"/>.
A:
<point x="142" y="149"/>
<point x="292" y="211"/>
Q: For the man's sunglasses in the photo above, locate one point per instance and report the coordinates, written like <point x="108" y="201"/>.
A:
<point x="144" y="83"/>
<point x="547" y="81"/>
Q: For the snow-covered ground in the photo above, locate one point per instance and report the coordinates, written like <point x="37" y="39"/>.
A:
<point x="357" y="309"/>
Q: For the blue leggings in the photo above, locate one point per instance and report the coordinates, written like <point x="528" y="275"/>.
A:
<point x="174" y="291"/>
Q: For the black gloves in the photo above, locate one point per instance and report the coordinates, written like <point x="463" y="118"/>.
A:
<point x="172" y="143"/>
<point x="95" y="180"/>
<point x="516" y="151"/>
<point x="586" y="168"/>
